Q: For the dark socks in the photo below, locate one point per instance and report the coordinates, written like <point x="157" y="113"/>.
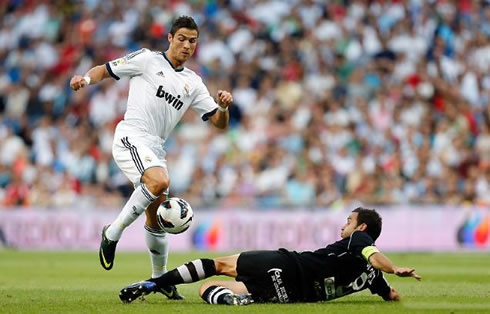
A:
<point x="216" y="295"/>
<point x="187" y="273"/>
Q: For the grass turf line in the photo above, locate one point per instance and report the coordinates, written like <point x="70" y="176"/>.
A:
<point x="74" y="282"/>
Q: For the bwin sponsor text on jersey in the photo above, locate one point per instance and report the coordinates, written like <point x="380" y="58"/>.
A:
<point x="171" y="99"/>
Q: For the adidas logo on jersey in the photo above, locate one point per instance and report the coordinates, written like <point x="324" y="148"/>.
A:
<point x="171" y="99"/>
<point x="160" y="74"/>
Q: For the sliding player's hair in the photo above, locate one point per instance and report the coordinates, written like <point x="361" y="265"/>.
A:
<point x="183" y="22"/>
<point x="372" y="219"/>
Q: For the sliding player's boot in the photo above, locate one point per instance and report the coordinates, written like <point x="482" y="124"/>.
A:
<point x="170" y="292"/>
<point x="136" y="290"/>
<point x="238" y="299"/>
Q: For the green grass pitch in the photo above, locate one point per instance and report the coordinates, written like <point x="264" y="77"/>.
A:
<point x="63" y="282"/>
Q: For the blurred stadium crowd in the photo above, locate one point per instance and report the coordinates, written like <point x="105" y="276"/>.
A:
<point x="380" y="102"/>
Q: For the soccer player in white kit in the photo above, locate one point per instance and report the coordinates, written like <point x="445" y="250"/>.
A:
<point x="160" y="92"/>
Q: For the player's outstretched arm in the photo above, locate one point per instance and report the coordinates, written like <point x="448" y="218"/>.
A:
<point x="94" y="75"/>
<point x="392" y="296"/>
<point x="383" y="263"/>
<point x="221" y="118"/>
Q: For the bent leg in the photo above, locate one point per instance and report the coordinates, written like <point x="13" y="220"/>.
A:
<point x="237" y="287"/>
<point x="156" y="240"/>
<point x="225" y="292"/>
<point x="156" y="178"/>
<point x="151" y="212"/>
<point x="153" y="183"/>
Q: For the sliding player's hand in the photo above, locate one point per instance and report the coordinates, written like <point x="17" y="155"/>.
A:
<point x="407" y="272"/>
<point x="224" y="98"/>
<point x="392" y="296"/>
<point x="77" y="82"/>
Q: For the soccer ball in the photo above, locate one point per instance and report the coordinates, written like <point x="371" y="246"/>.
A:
<point x="175" y="215"/>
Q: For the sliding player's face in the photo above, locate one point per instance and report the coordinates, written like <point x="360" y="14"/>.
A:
<point x="350" y="226"/>
<point x="183" y="44"/>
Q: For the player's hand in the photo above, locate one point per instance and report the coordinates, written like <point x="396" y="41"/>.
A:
<point x="392" y="296"/>
<point x="224" y="98"/>
<point x="406" y="272"/>
<point x="77" y="82"/>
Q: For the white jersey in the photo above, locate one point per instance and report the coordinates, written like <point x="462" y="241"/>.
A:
<point x="159" y="94"/>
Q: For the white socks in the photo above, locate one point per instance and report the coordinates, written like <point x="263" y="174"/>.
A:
<point x="135" y="206"/>
<point x="157" y="243"/>
<point x="156" y="240"/>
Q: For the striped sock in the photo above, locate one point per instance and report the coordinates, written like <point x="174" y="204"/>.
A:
<point x="187" y="273"/>
<point x="216" y="294"/>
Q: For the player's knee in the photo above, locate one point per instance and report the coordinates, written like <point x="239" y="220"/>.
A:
<point x="222" y="266"/>
<point x="203" y="288"/>
<point x="226" y="265"/>
<point x="157" y="181"/>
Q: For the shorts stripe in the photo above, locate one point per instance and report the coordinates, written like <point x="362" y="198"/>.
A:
<point x="128" y="146"/>
<point x="134" y="155"/>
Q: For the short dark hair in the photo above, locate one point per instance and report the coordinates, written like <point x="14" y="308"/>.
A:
<point x="183" y="21"/>
<point x="372" y="219"/>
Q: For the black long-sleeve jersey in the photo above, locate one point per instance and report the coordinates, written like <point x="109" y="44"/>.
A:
<point x="339" y="269"/>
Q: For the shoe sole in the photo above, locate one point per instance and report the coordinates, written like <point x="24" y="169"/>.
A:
<point x="133" y="295"/>
<point x="241" y="301"/>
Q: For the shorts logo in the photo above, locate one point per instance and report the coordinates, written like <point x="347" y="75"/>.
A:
<point x="147" y="159"/>
<point x="278" y="283"/>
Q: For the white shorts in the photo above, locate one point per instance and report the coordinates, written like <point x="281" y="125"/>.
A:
<point x="135" y="154"/>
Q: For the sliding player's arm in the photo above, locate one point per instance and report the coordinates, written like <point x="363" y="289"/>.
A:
<point x="93" y="76"/>
<point x="383" y="263"/>
<point x="379" y="261"/>
<point x="382" y="288"/>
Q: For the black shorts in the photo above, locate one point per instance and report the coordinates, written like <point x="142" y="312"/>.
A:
<point x="270" y="276"/>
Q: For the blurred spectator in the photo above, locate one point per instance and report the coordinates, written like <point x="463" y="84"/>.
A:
<point x="380" y="102"/>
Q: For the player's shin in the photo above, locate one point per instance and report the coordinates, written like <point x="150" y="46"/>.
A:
<point x="135" y="206"/>
<point x="187" y="273"/>
<point x="157" y="243"/>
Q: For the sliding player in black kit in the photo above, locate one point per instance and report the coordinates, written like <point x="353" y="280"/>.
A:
<point x="344" y="267"/>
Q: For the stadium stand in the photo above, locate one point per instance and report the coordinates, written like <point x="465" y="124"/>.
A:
<point x="379" y="102"/>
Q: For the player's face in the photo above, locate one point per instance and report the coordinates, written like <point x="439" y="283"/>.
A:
<point x="183" y="44"/>
<point x="350" y="226"/>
